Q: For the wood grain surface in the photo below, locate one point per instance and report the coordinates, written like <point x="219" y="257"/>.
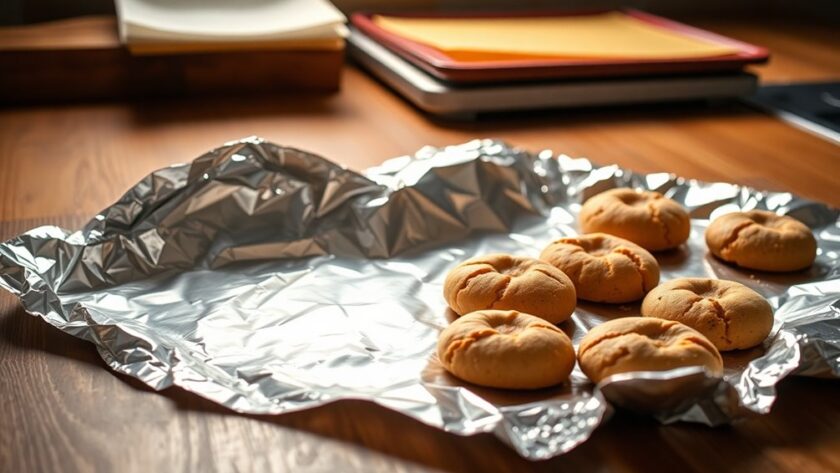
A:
<point x="62" y="409"/>
<point x="87" y="155"/>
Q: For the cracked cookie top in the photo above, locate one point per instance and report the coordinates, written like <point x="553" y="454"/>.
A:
<point x="604" y="268"/>
<point x="646" y="218"/>
<point x="644" y="344"/>
<point x="728" y="313"/>
<point x="501" y="281"/>
<point x="506" y="349"/>
<point x="762" y="240"/>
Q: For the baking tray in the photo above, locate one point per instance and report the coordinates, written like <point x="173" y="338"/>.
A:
<point x="459" y="102"/>
<point x="440" y="65"/>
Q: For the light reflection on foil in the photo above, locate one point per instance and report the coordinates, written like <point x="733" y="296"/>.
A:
<point x="269" y="280"/>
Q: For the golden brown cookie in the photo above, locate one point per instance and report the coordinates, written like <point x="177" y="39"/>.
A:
<point x="506" y="349"/>
<point x="500" y="281"/>
<point x="762" y="240"/>
<point x="729" y="314"/>
<point x="604" y="268"/>
<point x="646" y="218"/>
<point x="644" y="344"/>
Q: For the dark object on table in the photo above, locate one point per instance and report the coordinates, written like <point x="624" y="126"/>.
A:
<point x="813" y="107"/>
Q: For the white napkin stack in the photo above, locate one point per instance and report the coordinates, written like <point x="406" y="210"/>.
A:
<point x="159" y="26"/>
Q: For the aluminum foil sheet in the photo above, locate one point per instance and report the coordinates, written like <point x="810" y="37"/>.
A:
<point x="269" y="280"/>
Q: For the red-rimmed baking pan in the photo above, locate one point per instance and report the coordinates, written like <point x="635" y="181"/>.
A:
<point x="442" y="65"/>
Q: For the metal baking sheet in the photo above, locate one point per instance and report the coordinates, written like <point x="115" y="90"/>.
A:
<point x="268" y="280"/>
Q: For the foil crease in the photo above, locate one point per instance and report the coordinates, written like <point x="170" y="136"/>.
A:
<point x="269" y="279"/>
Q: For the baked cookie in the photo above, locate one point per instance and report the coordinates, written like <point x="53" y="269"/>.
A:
<point x="604" y="268"/>
<point x="729" y="314"/>
<point x="500" y="281"/>
<point x="762" y="240"/>
<point x="644" y="344"/>
<point x="506" y="349"/>
<point x="646" y="218"/>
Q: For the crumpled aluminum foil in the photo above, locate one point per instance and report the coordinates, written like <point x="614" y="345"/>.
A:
<point x="268" y="279"/>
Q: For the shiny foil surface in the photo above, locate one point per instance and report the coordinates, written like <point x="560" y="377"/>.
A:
<point x="268" y="279"/>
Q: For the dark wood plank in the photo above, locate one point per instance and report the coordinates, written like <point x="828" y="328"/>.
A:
<point x="82" y="59"/>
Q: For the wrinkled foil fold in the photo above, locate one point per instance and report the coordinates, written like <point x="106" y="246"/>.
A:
<point x="269" y="279"/>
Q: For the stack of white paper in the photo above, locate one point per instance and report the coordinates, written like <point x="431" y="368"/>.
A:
<point x="155" y="23"/>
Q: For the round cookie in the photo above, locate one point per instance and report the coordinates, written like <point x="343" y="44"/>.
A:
<point x="646" y="218"/>
<point x="729" y="314"/>
<point x="500" y="281"/>
<point x="762" y="240"/>
<point x="506" y="349"/>
<point x="604" y="268"/>
<point x="644" y="344"/>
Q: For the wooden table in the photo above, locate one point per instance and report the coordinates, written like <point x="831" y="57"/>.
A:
<point x="63" y="410"/>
